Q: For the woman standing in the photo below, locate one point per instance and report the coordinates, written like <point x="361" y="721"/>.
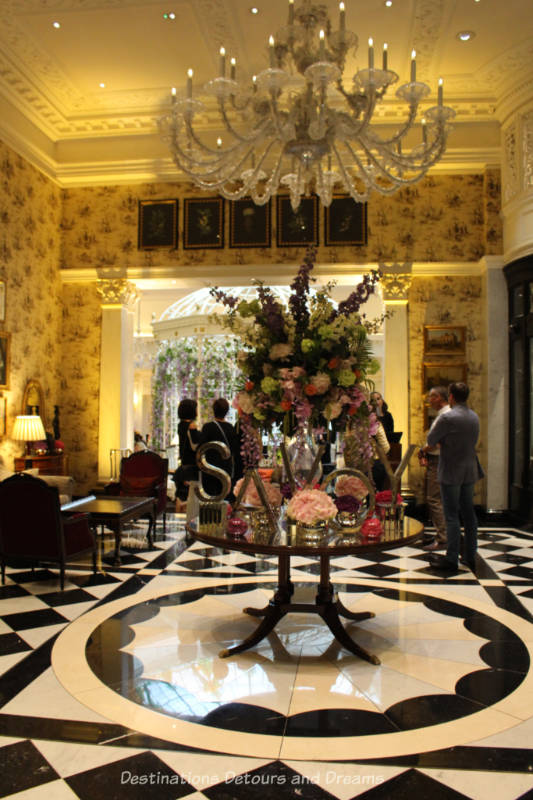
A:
<point x="188" y="440"/>
<point x="384" y="416"/>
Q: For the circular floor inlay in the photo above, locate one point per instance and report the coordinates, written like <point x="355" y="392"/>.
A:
<point x="449" y="666"/>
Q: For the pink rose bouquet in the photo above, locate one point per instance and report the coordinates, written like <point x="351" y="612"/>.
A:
<point x="352" y="485"/>
<point x="311" y="506"/>
<point x="251" y="495"/>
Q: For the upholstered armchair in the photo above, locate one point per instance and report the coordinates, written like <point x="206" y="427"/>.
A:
<point x="33" y="530"/>
<point x="143" y="474"/>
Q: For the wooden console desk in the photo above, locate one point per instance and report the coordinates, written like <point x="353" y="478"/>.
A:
<point x="47" y="465"/>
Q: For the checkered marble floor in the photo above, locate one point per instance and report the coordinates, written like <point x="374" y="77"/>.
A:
<point x="114" y="686"/>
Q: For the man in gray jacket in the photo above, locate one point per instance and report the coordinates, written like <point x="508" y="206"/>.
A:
<point x="457" y="431"/>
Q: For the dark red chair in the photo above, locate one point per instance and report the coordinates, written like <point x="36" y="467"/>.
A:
<point x="143" y="474"/>
<point x="33" y="530"/>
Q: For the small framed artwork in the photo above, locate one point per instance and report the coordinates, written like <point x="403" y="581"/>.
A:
<point x="158" y="224"/>
<point x="204" y="223"/>
<point x="443" y="374"/>
<point x="345" y="222"/>
<point x="5" y="354"/>
<point x="445" y="340"/>
<point x="297" y="228"/>
<point x="3" y="416"/>
<point x="2" y="302"/>
<point x="249" y="224"/>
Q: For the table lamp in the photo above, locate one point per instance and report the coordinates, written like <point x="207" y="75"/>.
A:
<point x="28" y="429"/>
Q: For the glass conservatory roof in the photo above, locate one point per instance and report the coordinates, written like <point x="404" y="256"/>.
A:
<point x="201" y="302"/>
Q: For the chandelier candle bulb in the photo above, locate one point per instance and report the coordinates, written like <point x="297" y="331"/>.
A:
<point x="272" y="52"/>
<point x="222" y="62"/>
<point x="385" y="56"/>
<point x="291" y="12"/>
<point x="219" y="143"/>
<point x="322" y="51"/>
<point x="233" y="64"/>
<point x="173" y="94"/>
<point x="413" y="66"/>
<point x="371" y="53"/>
<point x="342" y="21"/>
<point x="189" y="83"/>
<point x="424" y="131"/>
<point x="439" y="92"/>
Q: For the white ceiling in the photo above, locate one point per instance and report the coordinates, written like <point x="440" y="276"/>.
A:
<point x="55" y="113"/>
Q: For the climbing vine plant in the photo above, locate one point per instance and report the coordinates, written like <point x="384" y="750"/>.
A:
<point x="201" y="368"/>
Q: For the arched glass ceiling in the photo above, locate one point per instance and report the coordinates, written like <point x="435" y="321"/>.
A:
<point x="201" y="302"/>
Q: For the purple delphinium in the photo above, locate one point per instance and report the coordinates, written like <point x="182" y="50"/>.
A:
<point x="272" y="312"/>
<point x="358" y="297"/>
<point x="250" y="443"/>
<point x="300" y="287"/>
<point x="227" y="300"/>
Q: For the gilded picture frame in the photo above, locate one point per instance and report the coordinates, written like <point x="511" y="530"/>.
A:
<point x="3" y="416"/>
<point x="445" y="340"/>
<point x="5" y="359"/>
<point x="249" y="224"/>
<point x="2" y="302"/>
<point x="345" y="222"/>
<point x="158" y="224"/>
<point x="203" y="226"/>
<point x="297" y="228"/>
<point x="442" y="374"/>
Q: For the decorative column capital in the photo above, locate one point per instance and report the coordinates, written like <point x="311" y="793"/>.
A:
<point x="396" y="281"/>
<point x="117" y="291"/>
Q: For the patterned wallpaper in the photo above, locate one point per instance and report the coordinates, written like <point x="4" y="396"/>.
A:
<point x="56" y="330"/>
<point x="445" y="301"/>
<point x="443" y="218"/>
<point x="30" y="216"/>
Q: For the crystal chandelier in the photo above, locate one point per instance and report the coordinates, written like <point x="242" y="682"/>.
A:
<point x="298" y="126"/>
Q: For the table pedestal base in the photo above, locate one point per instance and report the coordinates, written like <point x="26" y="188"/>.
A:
<point x="326" y="605"/>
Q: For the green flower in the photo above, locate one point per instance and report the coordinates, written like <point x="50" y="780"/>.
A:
<point x="346" y="377"/>
<point x="325" y="331"/>
<point x="307" y="345"/>
<point x="269" y="385"/>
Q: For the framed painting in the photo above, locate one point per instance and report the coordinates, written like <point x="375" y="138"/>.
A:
<point x="442" y="374"/>
<point x="158" y="224"/>
<point x="445" y="340"/>
<point x="345" y="222"/>
<point x="249" y="224"/>
<point x="2" y="302"/>
<point x="5" y="354"/>
<point x="297" y="228"/>
<point x="3" y="416"/>
<point x="204" y="223"/>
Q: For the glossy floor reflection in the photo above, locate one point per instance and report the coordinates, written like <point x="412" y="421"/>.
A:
<point x="115" y="685"/>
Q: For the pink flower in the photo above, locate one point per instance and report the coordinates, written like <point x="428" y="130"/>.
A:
<point x="245" y="402"/>
<point x="386" y="497"/>
<point x="311" y="506"/>
<point x="333" y="410"/>
<point x="279" y="350"/>
<point x="251" y="495"/>
<point x="352" y="485"/>
<point x="321" y="382"/>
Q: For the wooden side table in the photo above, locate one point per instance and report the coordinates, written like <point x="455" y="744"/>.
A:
<point x="47" y="465"/>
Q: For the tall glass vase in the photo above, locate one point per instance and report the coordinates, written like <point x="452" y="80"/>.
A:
<point x="302" y="452"/>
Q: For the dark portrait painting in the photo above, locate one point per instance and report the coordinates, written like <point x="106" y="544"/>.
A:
<point x="345" y="222"/>
<point x="158" y="224"/>
<point x="300" y="227"/>
<point x="204" y="222"/>
<point x="249" y="224"/>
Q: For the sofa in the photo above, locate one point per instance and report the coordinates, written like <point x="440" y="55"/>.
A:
<point x="63" y="483"/>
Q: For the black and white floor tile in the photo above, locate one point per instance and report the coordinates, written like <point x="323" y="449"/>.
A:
<point x="114" y="686"/>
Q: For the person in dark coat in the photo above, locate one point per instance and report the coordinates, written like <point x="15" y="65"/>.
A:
<point x="381" y="409"/>
<point x="188" y="440"/>
<point x="219" y="430"/>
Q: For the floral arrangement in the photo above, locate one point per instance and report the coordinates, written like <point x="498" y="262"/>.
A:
<point x="371" y="528"/>
<point x="351" y="485"/>
<point x="385" y="497"/>
<point x="347" y="503"/>
<point x="311" y="506"/>
<point x="310" y="360"/>
<point x="251" y="495"/>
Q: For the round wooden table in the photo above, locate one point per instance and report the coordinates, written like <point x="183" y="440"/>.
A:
<point x="285" y="542"/>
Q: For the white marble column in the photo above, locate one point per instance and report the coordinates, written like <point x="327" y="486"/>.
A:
<point x="115" y="429"/>
<point x="395" y="283"/>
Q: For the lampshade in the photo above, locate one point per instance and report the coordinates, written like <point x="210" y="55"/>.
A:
<point x="28" y="428"/>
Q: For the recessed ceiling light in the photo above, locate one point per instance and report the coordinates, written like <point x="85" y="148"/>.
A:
<point x="169" y="15"/>
<point x="465" y="36"/>
<point x="254" y="10"/>
<point x="56" y="24"/>
<point x="388" y="3"/>
<point x="102" y="85"/>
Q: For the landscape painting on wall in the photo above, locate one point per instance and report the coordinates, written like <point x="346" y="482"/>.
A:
<point x="443" y="374"/>
<point x="445" y="340"/>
